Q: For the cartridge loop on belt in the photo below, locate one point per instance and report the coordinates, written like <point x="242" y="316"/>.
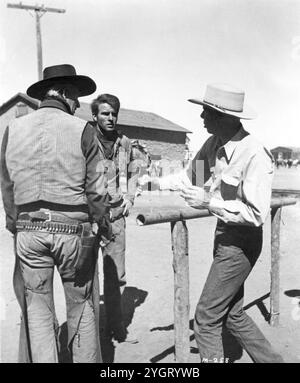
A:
<point x="51" y="223"/>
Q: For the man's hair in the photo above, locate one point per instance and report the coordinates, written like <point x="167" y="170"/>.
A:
<point x="110" y="99"/>
<point x="54" y="94"/>
<point x="58" y="92"/>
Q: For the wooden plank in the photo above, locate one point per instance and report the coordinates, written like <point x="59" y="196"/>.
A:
<point x="178" y="213"/>
<point x="275" y="266"/>
<point x="179" y="234"/>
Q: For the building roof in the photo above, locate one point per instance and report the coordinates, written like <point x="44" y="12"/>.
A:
<point x="286" y="148"/>
<point x="19" y="97"/>
<point x="130" y="117"/>
<point x="127" y="117"/>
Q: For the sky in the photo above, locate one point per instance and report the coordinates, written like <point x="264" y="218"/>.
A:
<point x="155" y="54"/>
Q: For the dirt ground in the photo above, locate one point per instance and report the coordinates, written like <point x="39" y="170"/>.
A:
<point x="149" y="292"/>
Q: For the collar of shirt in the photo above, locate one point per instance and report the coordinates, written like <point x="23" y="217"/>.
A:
<point x="54" y="104"/>
<point x="107" y="138"/>
<point x="109" y="144"/>
<point x="117" y="134"/>
<point x="231" y="145"/>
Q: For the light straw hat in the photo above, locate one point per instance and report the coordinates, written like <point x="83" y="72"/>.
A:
<point x="226" y="99"/>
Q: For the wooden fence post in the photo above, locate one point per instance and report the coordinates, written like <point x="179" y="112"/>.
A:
<point x="275" y="254"/>
<point x="179" y="234"/>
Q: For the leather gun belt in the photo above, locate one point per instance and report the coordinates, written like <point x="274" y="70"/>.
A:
<point x="50" y="223"/>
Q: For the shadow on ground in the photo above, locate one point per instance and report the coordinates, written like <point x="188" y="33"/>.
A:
<point x="131" y="299"/>
<point x="292" y="293"/>
<point x="232" y="349"/>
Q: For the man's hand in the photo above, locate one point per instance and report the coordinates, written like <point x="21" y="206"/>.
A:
<point x="104" y="241"/>
<point x="127" y="206"/>
<point x="194" y="196"/>
<point x="105" y="233"/>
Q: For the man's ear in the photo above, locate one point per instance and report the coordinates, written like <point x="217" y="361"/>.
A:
<point x="94" y="117"/>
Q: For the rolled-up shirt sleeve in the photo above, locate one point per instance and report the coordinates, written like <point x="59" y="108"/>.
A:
<point x="254" y="206"/>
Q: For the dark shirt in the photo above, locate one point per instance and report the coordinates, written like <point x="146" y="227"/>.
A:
<point x="204" y="161"/>
<point x="97" y="210"/>
<point x="115" y="162"/>
<point x="108" y="142"/>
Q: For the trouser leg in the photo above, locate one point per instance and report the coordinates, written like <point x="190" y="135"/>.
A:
<point x="114" y="275"/>
<point x="40" y="313"/>
<point x="244" y="329"/>
<point x="234" y="257"/>
<point x="84" y="346"/>
<point x="76" y="261"/>
<point x="211" y="309"/>
<point x="81" y="319"/>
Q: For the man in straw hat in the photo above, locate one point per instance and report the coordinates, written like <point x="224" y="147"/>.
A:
<point x="237" y="178"/>
<point x="52" y="191"/>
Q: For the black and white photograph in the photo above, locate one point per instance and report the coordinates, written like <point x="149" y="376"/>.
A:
<point x="150" y="184"/>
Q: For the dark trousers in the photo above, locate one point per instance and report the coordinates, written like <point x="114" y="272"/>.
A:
<point x="236" y="250"/>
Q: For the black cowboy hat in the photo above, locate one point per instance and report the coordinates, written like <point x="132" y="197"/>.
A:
<point x="64" y="73"/>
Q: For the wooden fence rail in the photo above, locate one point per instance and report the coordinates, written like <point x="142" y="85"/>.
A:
<point x="179" y="237"/>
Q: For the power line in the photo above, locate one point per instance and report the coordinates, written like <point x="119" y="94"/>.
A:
<point x="39" y="10"/>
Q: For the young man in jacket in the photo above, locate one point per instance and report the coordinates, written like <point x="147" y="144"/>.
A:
<point x="117" y="157"/>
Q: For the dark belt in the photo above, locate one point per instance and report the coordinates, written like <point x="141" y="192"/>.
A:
<point x="51" y="223"/>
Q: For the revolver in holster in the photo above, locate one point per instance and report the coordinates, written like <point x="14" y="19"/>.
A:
<point x="87" y="254"/>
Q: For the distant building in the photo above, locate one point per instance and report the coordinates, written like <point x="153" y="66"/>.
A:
<point x="286" y="152"/>
<point x="163" y="138"/>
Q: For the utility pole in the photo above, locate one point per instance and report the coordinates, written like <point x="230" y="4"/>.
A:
<point x="39" y="10"/>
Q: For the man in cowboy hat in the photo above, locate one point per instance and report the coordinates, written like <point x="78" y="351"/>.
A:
<point x="236" y="187"/>
<point x="52" y="191"/>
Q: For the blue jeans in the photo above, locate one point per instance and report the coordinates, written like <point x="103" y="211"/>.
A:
<point x="38" y="252"/>
<point x="236" y="250"/>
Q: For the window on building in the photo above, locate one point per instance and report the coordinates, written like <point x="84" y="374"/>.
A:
<point x="21" y="109"/>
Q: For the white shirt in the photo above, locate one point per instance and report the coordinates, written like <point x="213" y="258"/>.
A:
<point x="240" y="186"/>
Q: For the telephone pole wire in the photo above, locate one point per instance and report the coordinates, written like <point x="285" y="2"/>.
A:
<point x="39" y="10"/>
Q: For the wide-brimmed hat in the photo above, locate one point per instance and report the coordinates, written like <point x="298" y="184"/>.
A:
<point x="64" y="73"/>
<point x="226" y="99"/>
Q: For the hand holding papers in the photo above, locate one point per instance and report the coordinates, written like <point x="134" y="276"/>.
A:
<point x="194" y="196"/>
<point x="177" y="181"/>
